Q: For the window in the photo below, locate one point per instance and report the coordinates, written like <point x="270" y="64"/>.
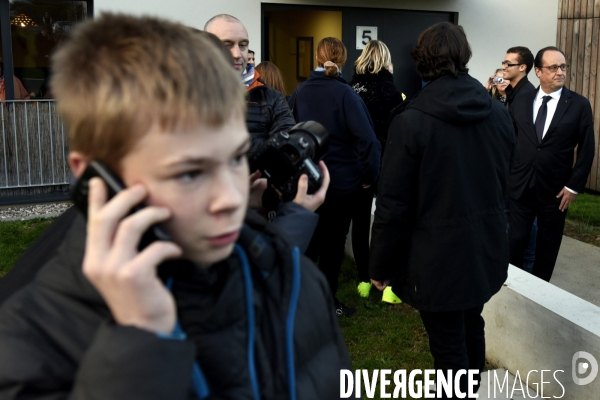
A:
<point x="36" y="27"/>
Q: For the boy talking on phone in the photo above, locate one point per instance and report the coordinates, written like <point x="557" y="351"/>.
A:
<point x="236" y="311"/>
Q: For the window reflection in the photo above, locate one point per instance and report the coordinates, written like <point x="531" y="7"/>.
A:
<point x="37" y="27"/>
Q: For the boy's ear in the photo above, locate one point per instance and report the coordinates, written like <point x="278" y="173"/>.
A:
<point x="78" y="163"/>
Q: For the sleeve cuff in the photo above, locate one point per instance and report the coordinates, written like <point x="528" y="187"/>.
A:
<point x="570" y="190"/>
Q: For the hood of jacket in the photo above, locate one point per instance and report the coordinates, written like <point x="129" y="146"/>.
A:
<point x="458" y="101"/>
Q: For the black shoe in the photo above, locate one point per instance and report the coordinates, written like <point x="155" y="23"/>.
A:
<point x="341" y="309"/>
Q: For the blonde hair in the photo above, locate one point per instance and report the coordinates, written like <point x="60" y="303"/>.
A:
<point x="333" y="50"/>
<point x="494" y="90"/>
<point x="374" y="57"/>
<point x="117" y="76"/>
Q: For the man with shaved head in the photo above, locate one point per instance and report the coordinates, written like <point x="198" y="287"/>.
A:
<point x="268" y="111"/>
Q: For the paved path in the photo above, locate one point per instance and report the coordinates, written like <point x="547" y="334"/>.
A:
<point x="578" y="270"/>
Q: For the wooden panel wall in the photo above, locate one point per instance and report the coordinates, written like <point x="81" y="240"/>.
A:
<point x="577" y="36"/>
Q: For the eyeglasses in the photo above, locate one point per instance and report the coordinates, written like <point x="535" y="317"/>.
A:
<point x="507" y="64"/>
<point x="554" y="68"/>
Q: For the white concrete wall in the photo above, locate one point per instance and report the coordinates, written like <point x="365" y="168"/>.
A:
<point x="533" y="325"/>
<point x="492" y="26"/>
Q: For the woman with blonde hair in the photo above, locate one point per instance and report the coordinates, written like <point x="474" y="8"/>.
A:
<point x="271" y="75"/>
<point x="353" y="156"/>
<point x="497" y="90"/>
<point x="374" y="83"/>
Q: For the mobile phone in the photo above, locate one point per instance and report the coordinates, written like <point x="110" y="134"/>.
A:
<point x="114" y="185"/>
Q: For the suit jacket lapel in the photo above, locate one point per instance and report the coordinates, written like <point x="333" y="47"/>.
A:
<point x="529" y="113"/>
<point x="561" y="107"/>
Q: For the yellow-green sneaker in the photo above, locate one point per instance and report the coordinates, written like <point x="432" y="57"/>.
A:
<point x="364" y="288"/>
<point x="390" y="297"/>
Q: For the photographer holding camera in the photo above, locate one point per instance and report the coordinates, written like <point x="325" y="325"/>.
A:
<point x="267" y="115"/>
<point x="496" y="86"/>
<point x="230" y="313"/>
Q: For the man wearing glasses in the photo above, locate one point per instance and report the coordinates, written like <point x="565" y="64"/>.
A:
<point x="550" y="122"/>
<point x="516" y="65"/>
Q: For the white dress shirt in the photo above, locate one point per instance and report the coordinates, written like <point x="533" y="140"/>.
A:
<point x="552" y="103"/>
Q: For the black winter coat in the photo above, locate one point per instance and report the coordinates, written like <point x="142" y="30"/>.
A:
<point x="268" y="113"/>
<point x="57" y="339"/>
<point x="381" y="96"/>
<point x="440" y="227"/>
<point x="523" y="86"/>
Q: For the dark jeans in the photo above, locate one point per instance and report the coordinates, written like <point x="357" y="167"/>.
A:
<point x="456" y="341"/>
<point x="329" y="240"/>
<point x="551" y="224"/>
<point x="529" y="255"/>
<point x="361" y="232"/>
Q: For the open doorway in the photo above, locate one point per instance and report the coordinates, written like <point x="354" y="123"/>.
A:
<point x="292" y="39"/>
<point x="284" y="24"/>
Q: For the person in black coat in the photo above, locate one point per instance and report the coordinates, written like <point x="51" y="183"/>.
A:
<point x="439" y="235"/>
<point x="550" y="123"/>
<point x="517" y="63"/>
<point x="353" y="155"/>
<point x="225" y="306"/>
<point x="374" y="83"/>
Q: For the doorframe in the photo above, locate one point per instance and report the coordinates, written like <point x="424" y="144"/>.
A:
<point x="264" y="27"/>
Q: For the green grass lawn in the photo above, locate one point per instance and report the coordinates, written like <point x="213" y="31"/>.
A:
<point x="583" y="219"/>
<point x="381" y="335"/>
<point x="586" y="208"/>
<point x="15" y="236"/>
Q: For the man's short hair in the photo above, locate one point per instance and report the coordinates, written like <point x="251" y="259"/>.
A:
<point x="250" y="51"/>
<point x="540" y="55"/>
<point x="226" y="17"/>
<point x="117" y="76"/>
<point x="442" y="49"/>
<point x="524" y="56"/>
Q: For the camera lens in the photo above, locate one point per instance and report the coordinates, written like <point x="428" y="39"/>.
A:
<point x="497" y="80"/>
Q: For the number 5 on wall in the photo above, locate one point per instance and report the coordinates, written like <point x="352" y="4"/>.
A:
<point x="364" y="34"/>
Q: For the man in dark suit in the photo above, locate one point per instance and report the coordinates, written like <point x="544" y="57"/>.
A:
<point x="550" y="122"/>
<point x="515" y="67"/>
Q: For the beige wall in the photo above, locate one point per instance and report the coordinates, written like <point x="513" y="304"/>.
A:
<point x="492" y="26"/>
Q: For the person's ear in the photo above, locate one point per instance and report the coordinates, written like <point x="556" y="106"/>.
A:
<point x="522" y="67"/>
<point x="537" y="72"/>
<point x="78" y="163"/>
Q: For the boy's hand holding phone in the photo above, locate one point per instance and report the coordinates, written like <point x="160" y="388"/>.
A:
<point x="126" y="277"/>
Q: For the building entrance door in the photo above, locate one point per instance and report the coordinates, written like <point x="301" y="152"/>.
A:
<point x="289" y="30"/>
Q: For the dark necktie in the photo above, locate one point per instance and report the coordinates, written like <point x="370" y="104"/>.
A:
<point x="540" y="121"/>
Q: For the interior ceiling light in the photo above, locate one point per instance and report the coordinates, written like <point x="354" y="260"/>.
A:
<point x="23" y="21"/>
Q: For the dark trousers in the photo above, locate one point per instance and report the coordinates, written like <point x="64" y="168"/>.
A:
<point x="361" y="232"/>
<point x="551" y="224"/>
<point x="456" y="341"/>
<point x="328" y="241"/>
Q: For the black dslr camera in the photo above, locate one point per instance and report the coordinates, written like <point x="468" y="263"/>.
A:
<point x="285" y="156"/>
